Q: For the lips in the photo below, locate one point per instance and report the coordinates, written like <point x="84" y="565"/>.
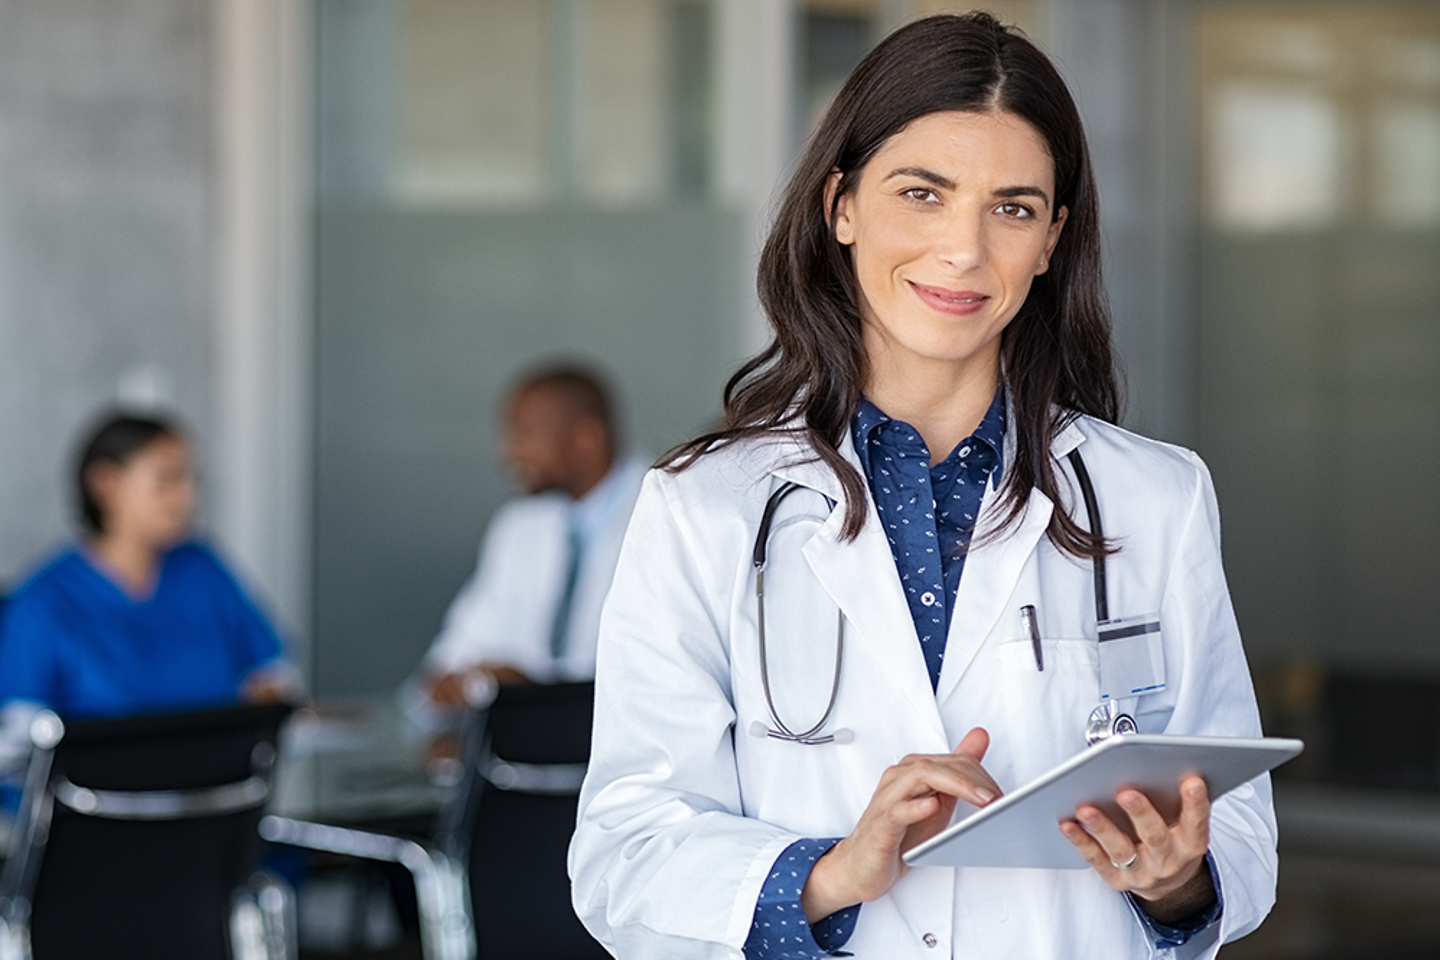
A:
<point x="957" y="302"/>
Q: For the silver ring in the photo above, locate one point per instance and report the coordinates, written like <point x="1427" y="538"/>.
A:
<point x="1128" y="863"/>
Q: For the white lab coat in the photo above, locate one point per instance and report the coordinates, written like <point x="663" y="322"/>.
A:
<point x="506" y="611"/>
<point x="683" y="811"/>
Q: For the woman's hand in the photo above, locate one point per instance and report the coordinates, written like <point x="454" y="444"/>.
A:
<point x="913" y="802"/>
<point x="1165" y="867"/>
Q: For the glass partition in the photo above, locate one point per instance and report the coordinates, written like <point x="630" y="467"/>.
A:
<point x="1320" y="367"/>
<point x="498" y="183"/>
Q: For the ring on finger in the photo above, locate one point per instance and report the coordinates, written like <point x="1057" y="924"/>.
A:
<point x="1128" y="863"/>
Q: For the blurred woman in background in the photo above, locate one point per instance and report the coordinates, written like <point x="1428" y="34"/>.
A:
<point x="136" y="617"/>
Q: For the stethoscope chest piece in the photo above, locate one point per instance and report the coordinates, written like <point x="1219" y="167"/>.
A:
<point x="1107" y="721"/>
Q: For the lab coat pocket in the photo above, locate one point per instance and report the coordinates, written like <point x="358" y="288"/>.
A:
<point x="1046" y="709"/>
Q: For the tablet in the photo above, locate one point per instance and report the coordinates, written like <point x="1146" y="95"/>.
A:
<point x="1022" y="829"/>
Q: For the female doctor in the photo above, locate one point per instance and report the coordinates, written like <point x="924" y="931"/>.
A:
<point x="941" y="348"/>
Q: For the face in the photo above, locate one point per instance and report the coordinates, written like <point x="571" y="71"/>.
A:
<point x="538" y="441"/>
<point x="948" y="224"/>
<point x="150" y="497"/>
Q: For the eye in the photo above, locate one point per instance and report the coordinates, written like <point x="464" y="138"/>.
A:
<point x="1016" y="211"/>
<point x="920" y="194"/>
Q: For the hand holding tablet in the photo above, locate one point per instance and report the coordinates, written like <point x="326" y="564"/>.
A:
<point x="1022" y="828"/>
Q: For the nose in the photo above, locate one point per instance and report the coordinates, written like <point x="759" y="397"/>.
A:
<point x="961" y="243"/>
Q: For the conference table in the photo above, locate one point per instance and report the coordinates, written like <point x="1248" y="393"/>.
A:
<point x="358" y="761"/>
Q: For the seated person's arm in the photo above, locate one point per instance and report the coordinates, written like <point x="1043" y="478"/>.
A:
<point x="449" y="689"/>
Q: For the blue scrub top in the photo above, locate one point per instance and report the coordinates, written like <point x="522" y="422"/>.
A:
<point x="74" y="640"/>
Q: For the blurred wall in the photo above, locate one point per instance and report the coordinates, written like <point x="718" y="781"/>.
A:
<point x="107" y="174"/>
<point x="152" y="252"/>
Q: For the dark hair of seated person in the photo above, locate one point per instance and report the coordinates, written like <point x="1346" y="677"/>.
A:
<point x="116" y="438"/>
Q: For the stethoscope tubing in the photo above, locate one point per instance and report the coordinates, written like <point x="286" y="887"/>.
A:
<point x="779" y="730"/>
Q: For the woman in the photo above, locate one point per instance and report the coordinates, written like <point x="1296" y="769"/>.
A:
<point x="136" y="617"/>
<point x="941" y="347"/>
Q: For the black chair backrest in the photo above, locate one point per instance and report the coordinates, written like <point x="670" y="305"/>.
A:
<point x="519" y="887"/>
<point x="161" y="885"/>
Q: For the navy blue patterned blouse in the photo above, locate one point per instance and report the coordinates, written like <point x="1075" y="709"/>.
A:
<point x="929" y="512"/>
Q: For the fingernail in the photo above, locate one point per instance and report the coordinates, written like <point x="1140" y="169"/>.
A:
<point x="985" y="795"/>
<point x="1130" y="801"/>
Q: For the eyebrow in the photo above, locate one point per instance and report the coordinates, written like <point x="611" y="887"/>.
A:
<point x="945" y="183"/>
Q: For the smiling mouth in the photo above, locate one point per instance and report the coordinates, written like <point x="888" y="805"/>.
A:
<point x="943" y="298"/>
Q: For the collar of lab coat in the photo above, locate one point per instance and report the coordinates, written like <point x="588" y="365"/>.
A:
<point x="876" y="605"/>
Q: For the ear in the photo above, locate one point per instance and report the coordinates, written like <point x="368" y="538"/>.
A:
<point x="1051" y="239"/>
<point x="100" y="480"/>
<point x="837" y="214"/>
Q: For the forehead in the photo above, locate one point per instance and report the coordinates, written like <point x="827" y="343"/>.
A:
<point x="537" y="401"/>
<point x="965" y="145"/>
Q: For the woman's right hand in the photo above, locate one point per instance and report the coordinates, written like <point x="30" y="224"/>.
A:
<point x="913" y="802"/>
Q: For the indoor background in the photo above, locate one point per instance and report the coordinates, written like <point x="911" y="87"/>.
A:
<point x="328" y="232"/>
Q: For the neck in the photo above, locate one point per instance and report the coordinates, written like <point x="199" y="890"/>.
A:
<point x="589" y="477"/>
<point x="943" y="402"/>
<point x="133" y="561"/>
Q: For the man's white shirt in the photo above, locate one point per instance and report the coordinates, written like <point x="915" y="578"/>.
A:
<point x="506" y="611"/>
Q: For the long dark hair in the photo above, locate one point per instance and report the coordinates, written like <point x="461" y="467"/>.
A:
<point x="114" y="439"/>
<point x="1055" y="354"/>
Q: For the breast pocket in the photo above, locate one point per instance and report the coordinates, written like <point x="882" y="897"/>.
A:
<point x="1046" y="709"/>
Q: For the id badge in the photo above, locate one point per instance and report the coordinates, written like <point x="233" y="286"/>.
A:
<point x="1132" y="658"/>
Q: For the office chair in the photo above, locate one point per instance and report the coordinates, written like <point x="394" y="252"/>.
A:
<point x="137" y="837"/>
<point x="493" y="873"/>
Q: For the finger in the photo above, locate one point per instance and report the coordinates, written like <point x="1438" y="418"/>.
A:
<point x="1095" y="854"/>
<point x="975" y="783"/>
<point x="1195" y="811"/>
<point x="1117" y="845"/>
<point x="1150" y="826"/>
<point x="954" y="774"/>
<point x="906" y="813"/>
<point x="974" y="744"/>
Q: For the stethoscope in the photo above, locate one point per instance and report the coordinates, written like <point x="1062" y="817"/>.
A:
<point x="1105" y="721"/>
<point x="777" y="729"/>
<point x="1108" y="719"/>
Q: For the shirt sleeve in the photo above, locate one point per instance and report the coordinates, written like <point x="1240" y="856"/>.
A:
<point x="504" y="609"/>
<point x="255" y="642"/>
<point x="1179" y="933"/>
<point x="780" y="930"/>
<point x="28" y="648"/>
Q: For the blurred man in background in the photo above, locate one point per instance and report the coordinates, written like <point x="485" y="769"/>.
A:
<point x="530" y="612"/>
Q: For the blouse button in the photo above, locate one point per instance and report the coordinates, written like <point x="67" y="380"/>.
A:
<point x="927" y="598"/>
<point x="930" y="940"/>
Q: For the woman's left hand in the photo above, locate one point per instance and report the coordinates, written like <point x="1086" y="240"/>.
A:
<point x="1165" y="866"/>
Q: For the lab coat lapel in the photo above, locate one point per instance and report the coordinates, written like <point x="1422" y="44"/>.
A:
<point x="992" y="569"/>
<point x="860" y="577"/>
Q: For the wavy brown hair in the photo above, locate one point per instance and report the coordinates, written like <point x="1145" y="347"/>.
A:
<point x="1055" y="354"/>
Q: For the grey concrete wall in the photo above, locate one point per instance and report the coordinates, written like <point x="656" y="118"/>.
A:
<point x="106" y="181"/>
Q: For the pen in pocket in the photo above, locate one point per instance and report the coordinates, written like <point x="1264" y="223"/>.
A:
<point x="1027" y="617"/>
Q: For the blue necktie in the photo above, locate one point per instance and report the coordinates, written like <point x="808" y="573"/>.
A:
<point x="560" y="630"/>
